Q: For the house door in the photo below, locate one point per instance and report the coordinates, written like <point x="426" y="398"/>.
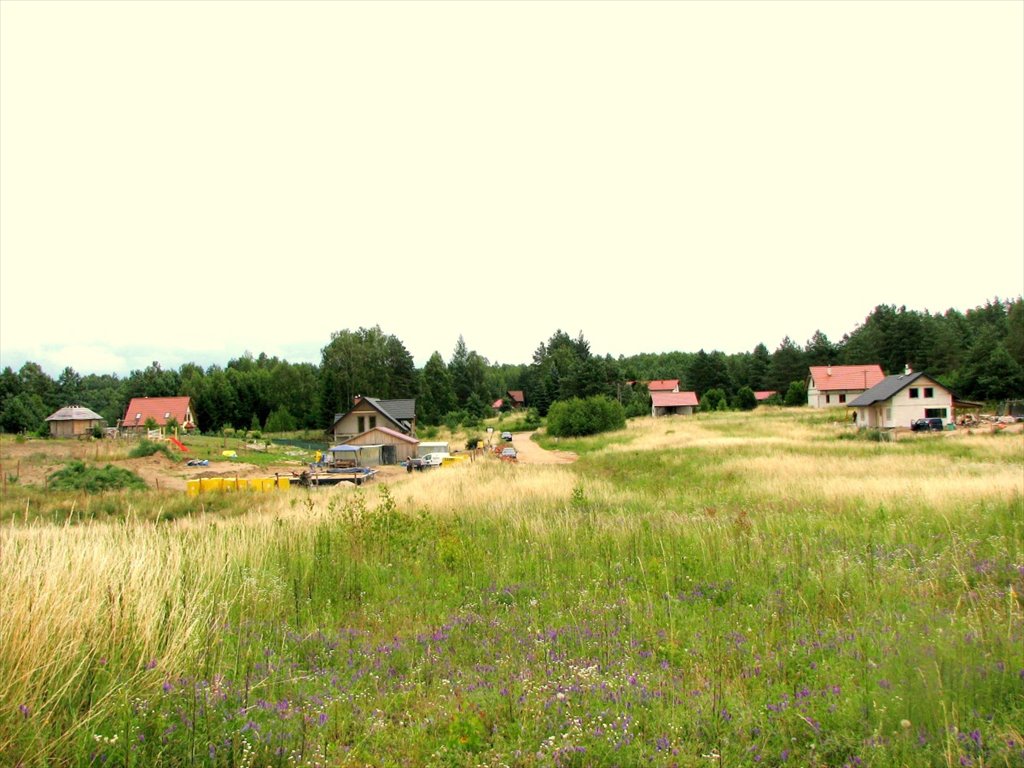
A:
<point x="388" y="454"/>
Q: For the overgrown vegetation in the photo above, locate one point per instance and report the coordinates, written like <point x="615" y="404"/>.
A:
<point x="734" y="589"/>
<point x="148" y="448"/>
<point x="77" y="476"/>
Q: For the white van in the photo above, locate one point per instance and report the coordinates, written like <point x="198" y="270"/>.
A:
<point x="434" y="459"/>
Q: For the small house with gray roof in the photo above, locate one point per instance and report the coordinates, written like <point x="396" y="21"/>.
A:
<point x="369" y="413"/>
<point x="73" y="421"/>
<point x="898" y="401"/>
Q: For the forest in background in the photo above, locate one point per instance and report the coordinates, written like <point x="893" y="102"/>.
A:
<point x="978" y="354"/>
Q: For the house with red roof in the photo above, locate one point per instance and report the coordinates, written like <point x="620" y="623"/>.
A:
<point x="673" y="403"/>
<point x="764" y="394"/>
<point x="162" y="410"/>
<point x="663" y="385"/>
<point x="831" y="386"/>
<point x="515" y="398"/>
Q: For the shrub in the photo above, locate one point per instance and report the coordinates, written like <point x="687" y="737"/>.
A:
<point x="796" y="394"/>
<point x="713" y="400"/>
<point x="76" y="476"/>
<point x="148" y="448"/>
<point x="570" y="418"/>
<point x="746" y="400"/>
<point x="280" y="420"/>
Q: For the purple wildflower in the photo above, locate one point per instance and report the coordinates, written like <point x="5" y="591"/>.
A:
<point x="25" y="711"/>
<point x="883" y="683"/>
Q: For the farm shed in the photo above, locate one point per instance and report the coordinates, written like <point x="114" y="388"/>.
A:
<point x="663" y="385"/>
<point x="161" y="410"/>
<point x="673" y="403"/>
<point x="898" y="401"/>
<point x="73" y="421"/>
<point x="394" y="446"/>
<point x="830" y="386"/>
<point x="368" y="413"/>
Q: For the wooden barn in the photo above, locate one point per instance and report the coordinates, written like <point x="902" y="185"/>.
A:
<point x="394" y="446"/>
<point x="74" y="421"/>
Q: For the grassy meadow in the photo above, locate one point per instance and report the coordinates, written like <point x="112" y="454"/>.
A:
<point x="725" y="589"/>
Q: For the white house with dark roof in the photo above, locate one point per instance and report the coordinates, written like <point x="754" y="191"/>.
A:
<point x="369" y="413"/>
<point x="831" y="386"/>
<point x="898" y="401"/>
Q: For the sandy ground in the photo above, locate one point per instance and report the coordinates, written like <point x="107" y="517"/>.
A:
<point x="531" y="453"/>
<point x="32" y="461"/>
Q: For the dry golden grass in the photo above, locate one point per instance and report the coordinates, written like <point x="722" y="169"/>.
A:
<point x="935" y="480"/>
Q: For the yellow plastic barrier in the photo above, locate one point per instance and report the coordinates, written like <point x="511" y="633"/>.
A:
<point x="209" y="484"/>
<point x="236" y="484"/>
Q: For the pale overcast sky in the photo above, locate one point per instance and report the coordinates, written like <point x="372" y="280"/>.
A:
<point x="189" y="181"/>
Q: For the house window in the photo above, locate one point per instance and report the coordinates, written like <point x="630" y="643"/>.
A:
<point x="373" y="422"/>
<point x="828" y="399"/>
<point x="913" y="393"/>
<point x="362" y="424"/>
<point x="842" y="398"/>
<point x="936" y="413"/>
<point x="888" y="414"/>
<point x="929" y="392"/>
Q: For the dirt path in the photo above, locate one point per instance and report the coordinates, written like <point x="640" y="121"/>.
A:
<point x="531" y="453"/>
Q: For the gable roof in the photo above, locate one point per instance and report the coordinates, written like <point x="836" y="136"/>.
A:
<point x="674" y="399"/>
<point x="828" y="378"/>
<point x="396" y="410"/>
<point x="401" y="413"/>
<point x="764" y="394"/>
<point x="516" y="395"/>
<point x="390" y="433"/>
<point x="663" y="385"/>
<point x="496" y="405"/>
<point x="157" y="408"/>
<point x="886" y="388"/>
<point x="74" y="413"/>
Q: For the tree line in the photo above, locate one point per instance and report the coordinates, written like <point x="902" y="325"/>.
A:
<point x="979" y="354"/>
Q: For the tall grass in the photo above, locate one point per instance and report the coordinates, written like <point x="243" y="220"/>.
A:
<point x="673" y="600"/>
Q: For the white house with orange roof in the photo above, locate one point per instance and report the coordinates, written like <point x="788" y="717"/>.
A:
<point x="162" y="410"/>
<point x="831" y="386"/>
<point x="663" y="385"/>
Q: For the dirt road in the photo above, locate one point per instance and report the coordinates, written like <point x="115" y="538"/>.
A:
<point x="531" y="453"/>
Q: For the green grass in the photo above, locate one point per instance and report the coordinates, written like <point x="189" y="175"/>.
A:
<point x="676" y="609"/>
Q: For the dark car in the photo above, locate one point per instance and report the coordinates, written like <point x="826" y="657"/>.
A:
<point x="927" y="425"/>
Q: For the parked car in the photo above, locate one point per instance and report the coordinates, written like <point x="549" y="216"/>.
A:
<point x="508" y="454"/>
<point x="506" y="436"/>
<point x="927" y="425"/>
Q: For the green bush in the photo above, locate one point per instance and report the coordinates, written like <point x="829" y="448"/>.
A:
<point x="713" y="400"/>
<point x="746" y="400"/>
<point x="575" y="417"/>
<point x="148" y="448"/>
<point x="796" y="395"/>
<point x="76" y="476"/>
